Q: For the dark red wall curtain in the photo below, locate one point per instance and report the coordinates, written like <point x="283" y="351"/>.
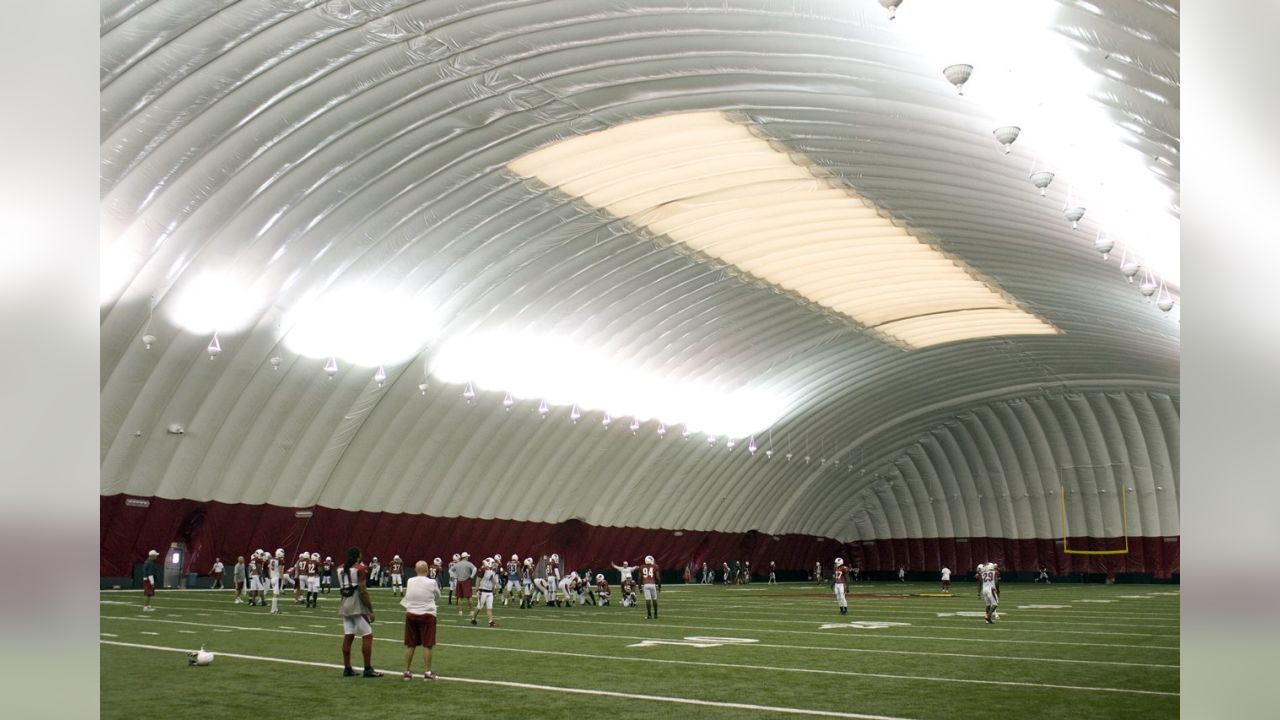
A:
<point x="213" y="529"/>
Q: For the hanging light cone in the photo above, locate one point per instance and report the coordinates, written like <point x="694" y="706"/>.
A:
<point x="422" y="388"/>
<point x="751" y="446"/>
<point x="729" y="443"/>
<point x="543" y="409"/>
<point x="1104" y="245"/>
<point x="380" y="376"/>
<point x="1165" y="303"/>
<point x="574" y="414"/>
<point x="634" y="426"/>
<point x="1130" y="268"/>
<point x="1006" y="136"/>
<point x="275" y="363"/>
<point x="685" y="433"/>
<point x="469" y="393"/>
<point x="768" y="454"/>
<point x="148" y="340"/>
<point x="1041" y="180"/>
<point x="1148" y="287"/>
<point x="789" y="456"/>
<point x="662" y="430"/>
<point x="1074" y="213"/>
<point x="958" y="75"/>
<point x="606" y="421"/>
<point x="806" y="459"/>
<point x="891" y="6"/>
<point x="215" y="347"/>
<point x="508" y="401"/>
<point x="711" y="439"/>
<point x="331" y="367"/>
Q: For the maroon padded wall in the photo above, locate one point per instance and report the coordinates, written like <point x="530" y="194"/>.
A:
<point x="214" y="529"/>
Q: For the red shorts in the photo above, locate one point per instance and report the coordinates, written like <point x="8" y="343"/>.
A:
<point x="419" y="630"/>
<point x="148" y="589"/>
<point x="464" y="589"/>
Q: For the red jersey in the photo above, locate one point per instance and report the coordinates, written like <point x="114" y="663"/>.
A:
<point x="603" y="585"/>
<point x="312" y="567"/>
<point x="396" y="567"/>
<point x="649" y="574"/>
<point x="839" y="574"/>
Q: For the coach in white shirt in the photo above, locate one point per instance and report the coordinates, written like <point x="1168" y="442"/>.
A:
<point x="421" y="594"/>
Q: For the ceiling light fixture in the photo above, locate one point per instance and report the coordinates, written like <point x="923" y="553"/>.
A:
<point x="1006" y="136"/>
<point x="958" y="75"/>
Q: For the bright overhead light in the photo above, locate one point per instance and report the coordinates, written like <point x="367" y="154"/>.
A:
<point x="214" y="302"/>
<point x="362" y="326"/>
<point x="569" y="373"/>
<point x="711" y="184"/>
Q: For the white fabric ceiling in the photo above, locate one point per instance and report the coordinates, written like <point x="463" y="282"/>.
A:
<point x="258" y="154"/>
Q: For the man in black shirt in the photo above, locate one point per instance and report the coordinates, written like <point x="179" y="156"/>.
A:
<point x="149" y="580"/>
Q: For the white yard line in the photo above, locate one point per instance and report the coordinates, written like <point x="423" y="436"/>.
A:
<point x="554" y="688"/>
<point x="731" y="665"/>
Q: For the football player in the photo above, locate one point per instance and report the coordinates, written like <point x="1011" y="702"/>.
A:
<point x="773" y="573"/>
<point x="989" y="576"/>
<point x="486" y="586"/>
<point x="356" y="609"/>
<point x="839" y="573"/>
<point x="313" y="580"/>
<point x="526" y="583"/>
<point x="375" y="572"/>
<point x="817" y="572"/>
<point x="628" y="592"/>
<point x="652" y="581"/>
<point x="551" y="577"/>
<point x="300" y="572"/>
<point x="326" y="575"/>
<point x="275" y="567"/>
<point x="255" y="577"/>
<point x="602" y="589"/>
<point x="946" y="579"/>
<point x="453" y="582"/>
<point x="513" y="579"/>
<point x="397" y="576"/>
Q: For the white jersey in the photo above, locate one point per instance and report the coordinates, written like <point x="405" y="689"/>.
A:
<point x="988" y="578"/>
<point x="488" y="580"/>
<point x="946" y="574"/>
<point x="274" y="568"/>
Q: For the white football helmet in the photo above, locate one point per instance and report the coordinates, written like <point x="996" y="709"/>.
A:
<point x="315" y="557"/>
<point x="555" y="558"/>
<point x="396" y="557"/>
<point x="437" y="562"/>
<point x="200" y="657"/>
<point x="328" y="559"/>
<point x="839" y="561"/>
<point x="488" y="563"/>
<point x="280" y="552"/>
<point x="648" y="559"/>
<point x="599" y="577"/>
<point x="375" y="558"/>
<point x="528" y="562"/>
<point x="456" y="557"/>
<point x="515" y="558"/>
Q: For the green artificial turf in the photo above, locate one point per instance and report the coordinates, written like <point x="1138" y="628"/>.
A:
<point x="1087" y="660"/>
